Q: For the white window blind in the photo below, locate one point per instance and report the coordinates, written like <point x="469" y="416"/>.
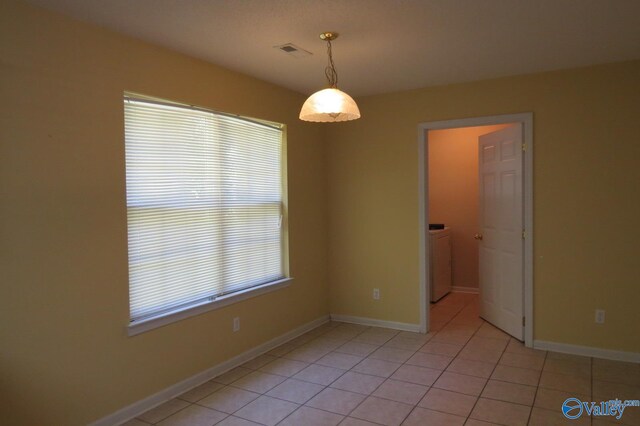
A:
<point x="204" y="206"/>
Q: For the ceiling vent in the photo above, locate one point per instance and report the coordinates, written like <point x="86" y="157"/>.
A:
<point x="293" y="50"/>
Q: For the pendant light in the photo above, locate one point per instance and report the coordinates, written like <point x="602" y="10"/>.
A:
<point x="331" y="104"/>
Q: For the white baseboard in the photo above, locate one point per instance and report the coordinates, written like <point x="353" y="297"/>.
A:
<point x="587" y="351"/>
<point x="133" y="410"/>
<point x="462" y="289"/>
<point x="376" y="322"/>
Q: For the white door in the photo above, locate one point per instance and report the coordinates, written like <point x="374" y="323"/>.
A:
<point x="501" y="229"/>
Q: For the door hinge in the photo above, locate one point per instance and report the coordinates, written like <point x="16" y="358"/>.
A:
<point x="524" y="146"/>
<point x="523" y="321"/>
<point x="523" y="234"/>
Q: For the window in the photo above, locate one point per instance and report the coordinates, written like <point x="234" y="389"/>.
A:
<point x="204" y="207"/>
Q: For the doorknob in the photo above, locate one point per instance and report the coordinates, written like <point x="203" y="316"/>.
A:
<point x="478" y="236"/>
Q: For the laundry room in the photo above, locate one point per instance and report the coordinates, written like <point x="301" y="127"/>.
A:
<point x="453" y="211"/>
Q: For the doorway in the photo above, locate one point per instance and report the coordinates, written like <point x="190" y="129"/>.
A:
<point x="515" y="303"/>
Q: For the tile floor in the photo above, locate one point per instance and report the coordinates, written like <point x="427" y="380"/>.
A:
<point x="465" y="372"/>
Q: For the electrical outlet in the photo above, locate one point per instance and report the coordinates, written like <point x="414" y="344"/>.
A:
<point x="599" y="316"/>
<point x="236" y="324"/>
<point x="376" y="294"/>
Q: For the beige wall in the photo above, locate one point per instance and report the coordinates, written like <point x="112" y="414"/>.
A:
<point x="65" y="358"/>
<point x="586" y="211"/>
<point x="453" y="194"/>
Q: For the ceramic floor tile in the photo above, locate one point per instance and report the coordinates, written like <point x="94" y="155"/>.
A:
<point x="319" y="374"/>
<point x="258" y="382"/>
<point x="519" y="348"/>
<point x="418" y="375"/>
<point x="448" y="402"/>
<point x="382" y="411"/>
<point x="461" y="328"/>
<point x="339" y="333"/>
<point x="228" y="399"/>
<point x="436" y="326"/>
<point x="373" y="338"/>
<point x="510" y="392"/>
<point x="454" y="382"/>
<point x="376" y="367"/>
<point x="541" y="417"/>
<point x="307" y="354"/>
<point x="357" y="348"/>
<point x="258" y="362"/>
<point x="236" y="421"/>
<point x="487" y="343"/>
<point x="232" y="375"/>
<point x="471" y="368"/>
<point x="266" y="410"/>
<point x="194" y="415"/>
<point x="616" y="371"/>
<point x="474" y="422"/>
<point x="339" y="360"/>
<point x="379" y="376"/>
<point x="406" y="343"/>
<point x="336" y="401"/>
<point x="440" y="348"/>
<point x="395" y="390"/>
<point x="454" y="338"/>
<point x="350" y="421"/>
<point x="574" y="358"/>
<point x="421" y="337"/>
<point x="391" y="354"/>
<point x="323" y="342"/>
<point x="612" y="390"/>
<point x="359" y="383"/>
<point x="297" y="391"/>
<point x="504" y="413"/>
<point x="135" y="422"/>
<point x="423" y="416"/>
<point x="163" y="411"/>
<point x="284" y="367"/>
<point x="552" y="399"/>
<point x="569" y="367"/>
<point x="308" y="416"/>
<point x="437" y="362"/>
<point x="482" y="355"/>
<point x="487" y="330"/>
<point x="565" y="383"/>
<point x="199" y="392"/>
<point x="522" y="376"/>
<point x="531" y="362"/>
<point x="282" y="349"/>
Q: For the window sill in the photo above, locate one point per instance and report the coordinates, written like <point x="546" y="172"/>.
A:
<point x="159" y="321"/>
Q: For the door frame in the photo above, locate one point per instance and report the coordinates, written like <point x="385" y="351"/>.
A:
<point x="526" y="119"/>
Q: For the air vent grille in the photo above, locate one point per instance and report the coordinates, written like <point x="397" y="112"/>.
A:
<point x="293" y="50"/>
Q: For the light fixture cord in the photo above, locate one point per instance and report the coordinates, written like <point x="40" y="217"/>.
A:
<point x="330" y="71"/>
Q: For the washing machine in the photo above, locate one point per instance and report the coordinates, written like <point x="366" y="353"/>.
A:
<point x="440" y="262"/>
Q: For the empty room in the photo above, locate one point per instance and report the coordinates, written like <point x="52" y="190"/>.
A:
<point x="319" y="212"/>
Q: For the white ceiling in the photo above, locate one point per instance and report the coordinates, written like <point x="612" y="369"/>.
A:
<point x="384" y="45"/>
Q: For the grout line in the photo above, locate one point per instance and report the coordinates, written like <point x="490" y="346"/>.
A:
<point x="322" y="331"/>
<point x="448" y="364"/>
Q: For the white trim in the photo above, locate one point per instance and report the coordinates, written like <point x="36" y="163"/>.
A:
<point x="172" y="391"/>
<point x="377" y="323"/>
<point x="423" y="247"/>
<point x="587" y="351"/>
<point x="461" y="289"/>
<point x="423" y="197"/>
<point x="238" y="296"/>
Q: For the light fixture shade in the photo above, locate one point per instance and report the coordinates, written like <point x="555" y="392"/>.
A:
<point x="329" y="105"/>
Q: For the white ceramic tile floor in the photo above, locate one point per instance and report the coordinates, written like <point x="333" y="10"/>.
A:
<point x="464" y="372"/>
